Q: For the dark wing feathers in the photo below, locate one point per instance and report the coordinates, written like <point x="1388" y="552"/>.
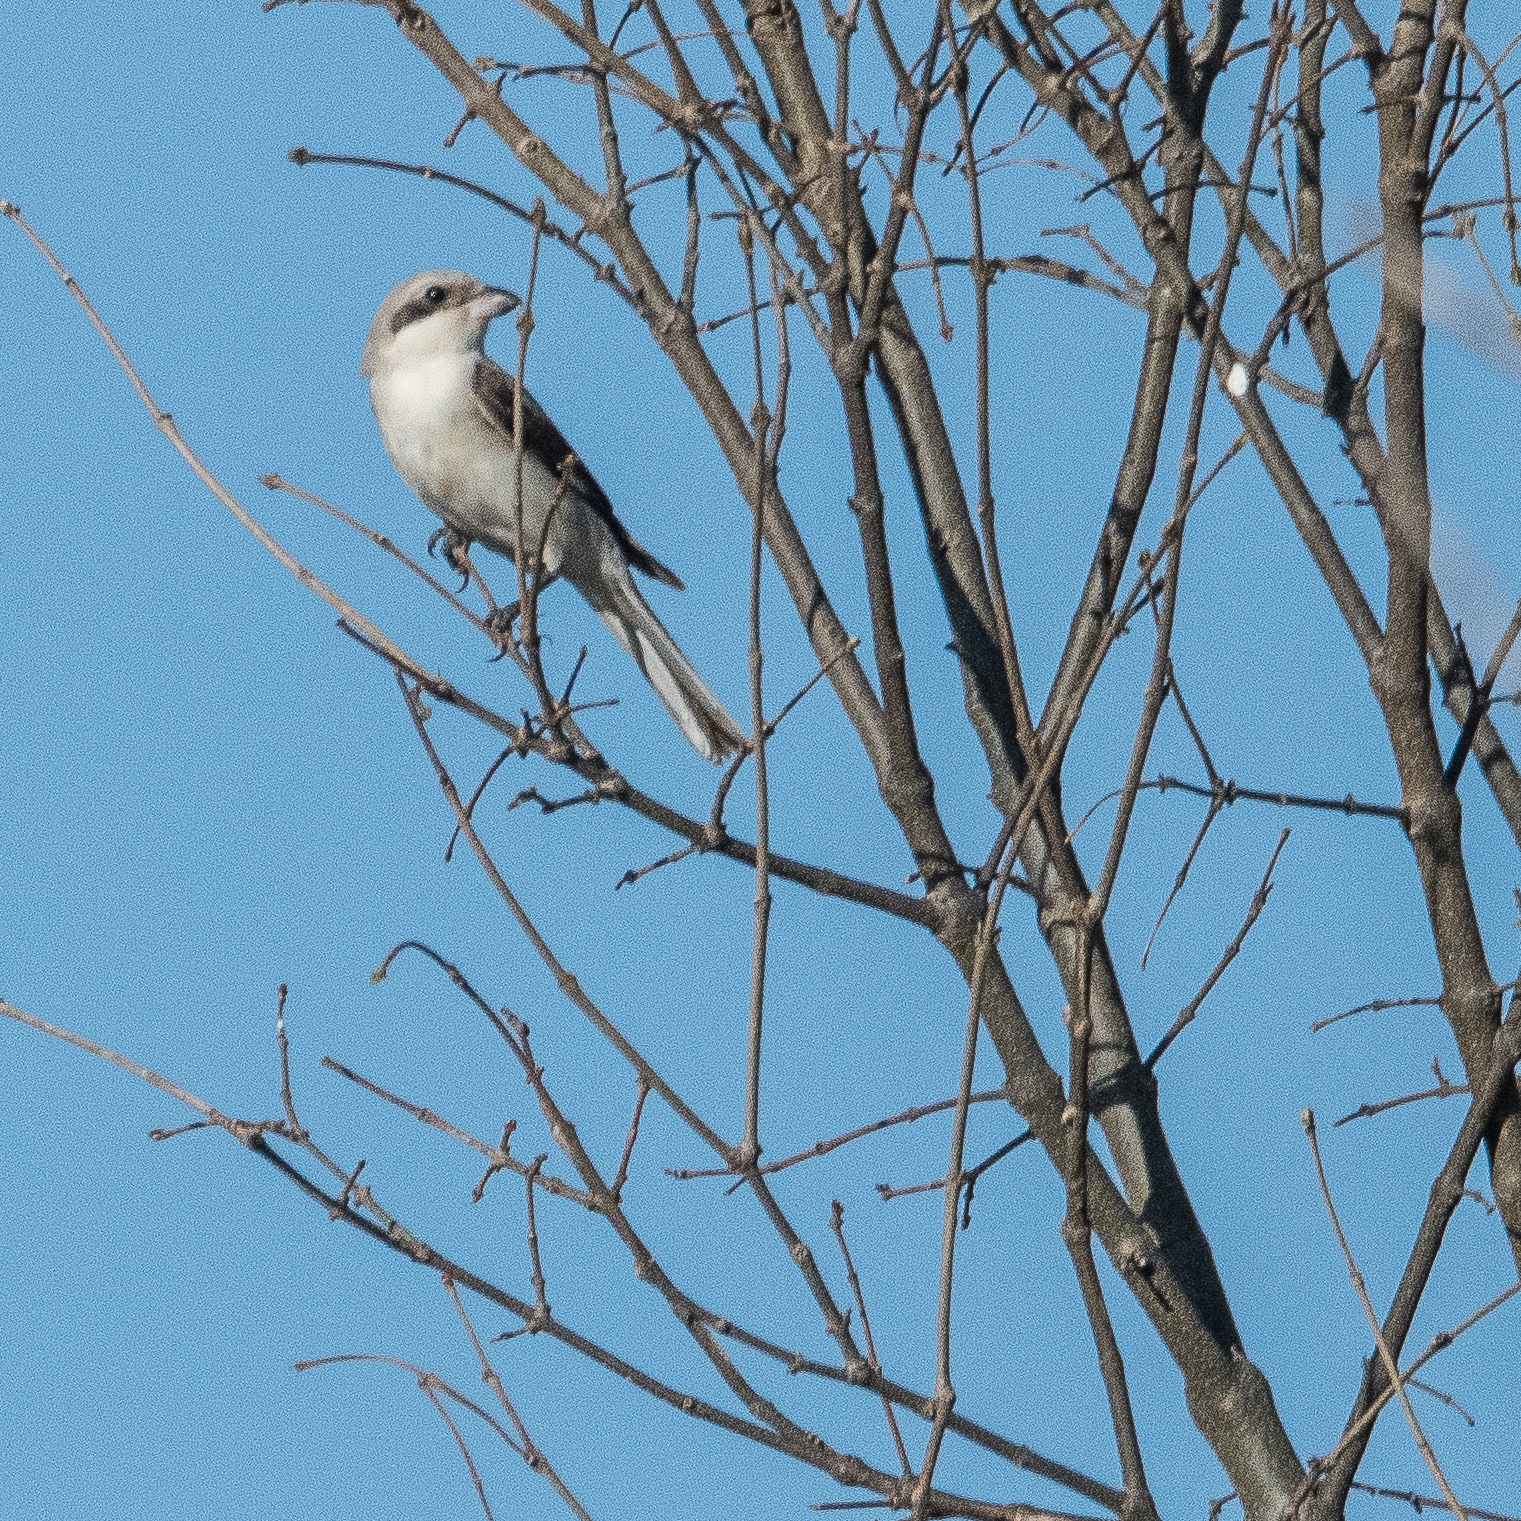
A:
<point x="542" y="441"/>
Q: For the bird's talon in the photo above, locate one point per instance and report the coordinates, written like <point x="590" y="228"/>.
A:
<point x="499" y="621"/>
<point x="452" y="546"/>
<point x="498" y="625"/>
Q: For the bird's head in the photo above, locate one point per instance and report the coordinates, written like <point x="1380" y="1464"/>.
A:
<point x="439" y="312"/>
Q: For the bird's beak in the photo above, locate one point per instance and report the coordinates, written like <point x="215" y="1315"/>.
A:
<point x="493" y="302"/>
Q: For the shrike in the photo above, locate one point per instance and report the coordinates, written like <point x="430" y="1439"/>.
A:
<point x="446" y="414"/>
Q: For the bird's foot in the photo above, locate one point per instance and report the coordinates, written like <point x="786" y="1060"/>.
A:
<point x="498" y="625"/>
<point x="453" y="547"/>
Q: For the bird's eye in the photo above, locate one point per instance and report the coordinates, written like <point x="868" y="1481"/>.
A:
<point x="434" y="295"/>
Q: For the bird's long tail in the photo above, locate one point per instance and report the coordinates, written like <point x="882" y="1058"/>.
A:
<point x="686" y="696"/>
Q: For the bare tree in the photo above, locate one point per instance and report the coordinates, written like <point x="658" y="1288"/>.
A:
<point x="821" y="193"/>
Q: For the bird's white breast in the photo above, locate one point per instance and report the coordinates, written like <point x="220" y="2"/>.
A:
<point x="447" y="451"/>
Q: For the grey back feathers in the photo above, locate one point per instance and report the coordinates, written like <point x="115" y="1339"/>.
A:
<point x="542" y="440"/>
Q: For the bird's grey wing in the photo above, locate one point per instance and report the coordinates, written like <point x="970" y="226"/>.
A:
<point x="494" y="390"/>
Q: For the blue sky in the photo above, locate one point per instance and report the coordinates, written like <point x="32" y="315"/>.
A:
<point x="209" y="792"/>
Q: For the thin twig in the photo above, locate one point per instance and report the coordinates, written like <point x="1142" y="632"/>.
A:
<point x="1443" y="1089"/>
<point x="435" y="1398"/>
<point x="540" y="1301"/>
<point x="276" y="482"/>
<point x="850" y="645"/>
<point x="165" y="424"/>
<point x="282" y="1042"/>
<point x="241" y="1130"/>
<point x="1419" y="1502"/>
<point x="1441" y="1396"/>
<point x="822" y="1148"/>
<point x="1391" y="1369"/>
<point x="621" y="1176"/>
<point x="837" y="1225"/>
<point x="1254" y="910"/>
<point x="1377" y="1005"/>
<point x="760" y="427"/>
<point x="530" y="1451"/>
<point x="606" y="273"/>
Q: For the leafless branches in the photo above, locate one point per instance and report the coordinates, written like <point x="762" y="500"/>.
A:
<point x="832" y="148"/>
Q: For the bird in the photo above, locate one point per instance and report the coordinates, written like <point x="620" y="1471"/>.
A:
<point x="445" y="411"/>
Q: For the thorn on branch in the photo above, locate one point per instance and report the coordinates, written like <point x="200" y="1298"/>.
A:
<point x="499" y="1161"/>
<point x="168" y="1134"/>
<point x="634" y="873"/>
<point x="343" y="1203"/>
<point x="548" y="805"/>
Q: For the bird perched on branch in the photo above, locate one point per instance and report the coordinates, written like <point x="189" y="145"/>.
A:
<point x="446" y="414"/>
